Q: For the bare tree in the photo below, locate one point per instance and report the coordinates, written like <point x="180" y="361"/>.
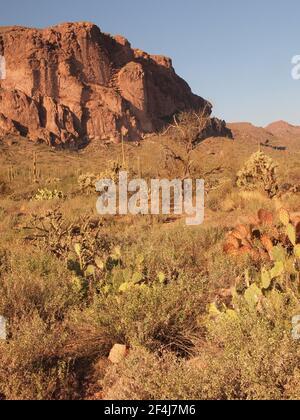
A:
<point x="188" y="126"/>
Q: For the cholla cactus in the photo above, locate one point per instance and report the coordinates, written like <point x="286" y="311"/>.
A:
<point x="259" y="173"/>
<point x="87" y="182"/>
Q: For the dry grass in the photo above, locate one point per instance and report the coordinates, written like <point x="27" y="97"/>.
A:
<point x="62" y="324"/>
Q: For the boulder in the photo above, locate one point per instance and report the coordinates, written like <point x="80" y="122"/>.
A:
<point x="117" y="354"/>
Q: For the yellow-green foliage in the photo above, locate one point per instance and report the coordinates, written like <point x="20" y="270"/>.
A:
<point x="259" y="173"/>
<point x="258" y="323"/>
<point x="46" y="195"/>
<point x="87" y="182"/>
<point x="259" y="357"/>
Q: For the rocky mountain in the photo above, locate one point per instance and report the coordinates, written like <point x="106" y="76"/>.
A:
<point x="73" y="84"/>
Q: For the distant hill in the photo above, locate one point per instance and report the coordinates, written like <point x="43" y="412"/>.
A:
<point x="282" y="128"/>
<point x="279" y="135"/>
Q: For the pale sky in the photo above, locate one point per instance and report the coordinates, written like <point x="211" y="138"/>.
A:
<point x="236" y="53"/>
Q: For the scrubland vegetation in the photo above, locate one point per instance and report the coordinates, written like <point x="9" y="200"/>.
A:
<point x="206" y="312"/>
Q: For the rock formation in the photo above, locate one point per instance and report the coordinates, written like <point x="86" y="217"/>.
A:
<point x="71" y="84"/>
<point x="215" y="128"/>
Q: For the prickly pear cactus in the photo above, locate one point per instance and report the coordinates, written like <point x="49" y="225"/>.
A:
<point x="268" y="238"/>
<point x="259" y="173"/>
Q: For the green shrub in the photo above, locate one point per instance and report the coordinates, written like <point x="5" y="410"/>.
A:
<point x="29" y="366"/>
<point x="258" y="358"/>
<point x="40" y="284"/>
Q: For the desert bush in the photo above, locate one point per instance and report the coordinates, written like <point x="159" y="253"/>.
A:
<point x="160" y="316"/>
<point x="59" y="235"/>
<point x="258" y="357"/>
<point x="249" y="202"/>
<point x="181" y="250"/>
<point x="246" y="357"/>
<point x="137" y="263"/>
<point x="87" y="183"/>
<point x="217" y="190"/>
<point x="29" y="364"/>
<point x="259" y="173"/>
<point x="36" y="295"/>
<point x="40" y="284"/>
<point x="46" y="195"/>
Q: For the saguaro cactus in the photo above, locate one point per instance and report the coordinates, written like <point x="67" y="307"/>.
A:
<point x="34" y="169"/>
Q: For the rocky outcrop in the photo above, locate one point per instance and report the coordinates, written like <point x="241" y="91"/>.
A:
<point x="7" y="126"/>
<point x="71" y="84"/>
<point x="215" y="128"/>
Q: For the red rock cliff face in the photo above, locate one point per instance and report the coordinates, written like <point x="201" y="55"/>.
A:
<point x="72" y="84"/>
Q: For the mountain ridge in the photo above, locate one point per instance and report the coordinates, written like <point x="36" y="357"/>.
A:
<point x="72" y="83"/>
